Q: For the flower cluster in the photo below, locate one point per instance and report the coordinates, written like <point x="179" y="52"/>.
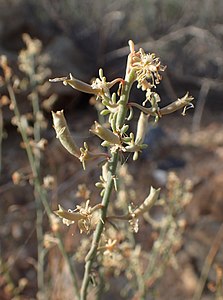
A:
<point x="147" y="68"/>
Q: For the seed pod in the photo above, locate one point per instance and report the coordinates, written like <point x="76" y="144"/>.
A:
<point x="178" y="104"/>
<point x="63" y="133"/>
<point x="76" y="84"/>
<point x="141" y="128"/>
<point x="105" y="134"/>
<point x="148" y="202"/>
<point x="80" y="85"/>
<point x="174" y="106"/>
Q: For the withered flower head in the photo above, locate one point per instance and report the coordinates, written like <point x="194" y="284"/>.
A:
<point x="86" y="217"/>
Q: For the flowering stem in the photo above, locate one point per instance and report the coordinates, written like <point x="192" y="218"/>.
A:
<point x="112" y="167"/>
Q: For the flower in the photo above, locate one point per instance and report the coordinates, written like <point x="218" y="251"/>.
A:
<point x="133" y="221"/>
<point x="86" y="217"/>
<point x="109" y="247"/>
<point x="102" y="86"/>
<point x="147" y="67"/>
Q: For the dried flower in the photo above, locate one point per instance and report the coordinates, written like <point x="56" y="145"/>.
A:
<point x="133" y="221"/>
<point x="54" y="223"/>
<point x="40" y="145"/>
<point x="49" y="241"/>
<point x="109" y="247"/>
<point x="49" y="182"/>
<point x="102" y="86"/>
<point x="86" y="217"/>
<point x="17" y="178"/>
<point x="4" y="100"/>
<point x="83" y="192"/>
<point x="147" y="68"/>
<point x="20" y="178"/>
<point x="88" y="155"/>
<point x="6" y="69"/>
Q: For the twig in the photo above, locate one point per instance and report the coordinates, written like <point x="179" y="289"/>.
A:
<point x="205" y="87"/>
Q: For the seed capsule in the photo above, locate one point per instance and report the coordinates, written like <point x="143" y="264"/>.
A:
<point x="105" y="134"/>
<point x="63" y="133"/>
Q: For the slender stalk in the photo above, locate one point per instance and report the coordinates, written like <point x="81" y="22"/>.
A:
<point x="112" y="167"/>
<point x="40" y="192"/>
<point x="40" y="247"/>
<point x="97" y="234"/>
<point x="39" y="207"/>
<point x="155" y="254"/>
<point x="37" y="128"/>
<point x="69" y="263"/>
<point x="35" y="166"/>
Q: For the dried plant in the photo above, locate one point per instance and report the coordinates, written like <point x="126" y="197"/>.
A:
<point x="106" y="247"/>
<point x="30" y="126"/>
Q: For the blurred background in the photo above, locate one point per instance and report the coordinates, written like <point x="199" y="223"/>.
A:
<point x="79" y="37"/>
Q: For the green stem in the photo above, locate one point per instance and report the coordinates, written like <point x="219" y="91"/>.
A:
<point x="112" y="166"/>
<point x="129" y="79"/>
<point x="97" y="234"/>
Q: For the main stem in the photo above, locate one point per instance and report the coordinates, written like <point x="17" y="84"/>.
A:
<point x="112" y="167"/>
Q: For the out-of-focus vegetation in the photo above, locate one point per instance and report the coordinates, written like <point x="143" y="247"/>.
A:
<point x="79" y="37"/>
<point x="84" y="35"/>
